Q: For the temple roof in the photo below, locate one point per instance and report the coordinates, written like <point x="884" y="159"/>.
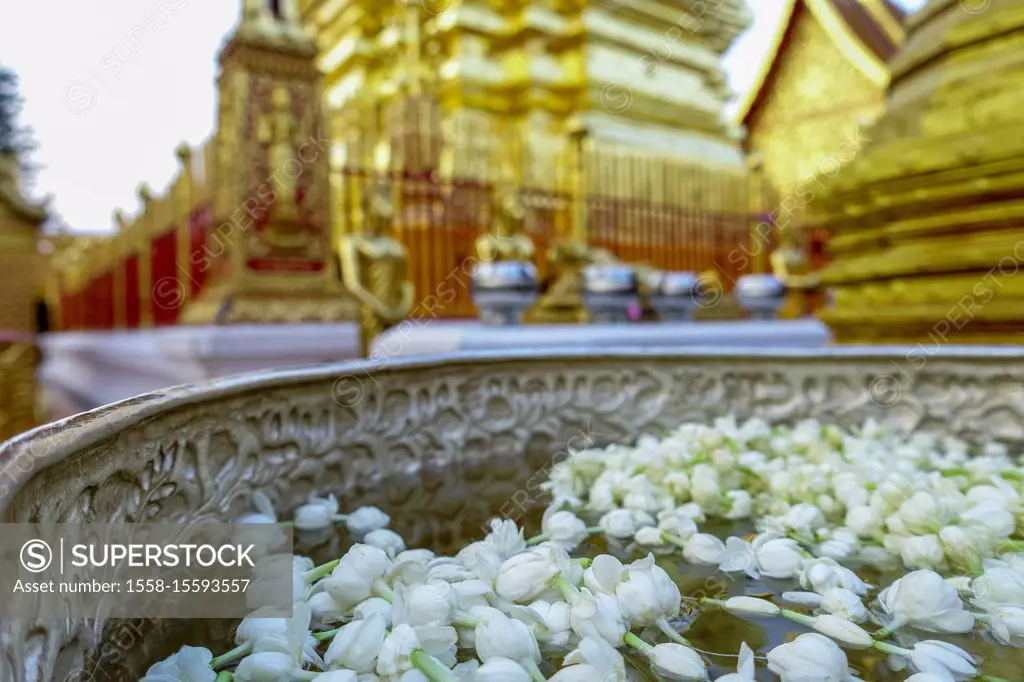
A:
<point x="867" y="32"/>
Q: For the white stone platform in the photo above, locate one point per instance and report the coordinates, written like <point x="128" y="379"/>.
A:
<point x="83" y="370"/>
<point x="415" y="338"/>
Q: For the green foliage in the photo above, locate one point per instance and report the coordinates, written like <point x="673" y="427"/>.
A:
<point x="14" y="137"/>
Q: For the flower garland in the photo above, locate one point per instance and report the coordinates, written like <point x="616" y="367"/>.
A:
<point x="503" y="608"/>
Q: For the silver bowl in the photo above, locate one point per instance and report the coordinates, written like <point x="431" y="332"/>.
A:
<point x="439" y="443"/>
<point x="679" y="295"/>
<point x="503" y="290"/>
<point x="761" y="296"/>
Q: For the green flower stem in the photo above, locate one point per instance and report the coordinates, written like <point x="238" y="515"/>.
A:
<point x="535" y="674"/>
<point x="990" y="678"/>
<point x="706" y="601"/>
<point x="230" y="657"/>
<point x="673" y="539"/>
<point x="1011" y="546"/>
<point x="537" y="539"/>
<point x="224" y="676"/>
<point x="797" y="617"/>
<point x="322" y="570"/>
<point x="881" y="634"/>
<point x="570" y="593"/>
<point x="956" y="471"/>
<point x="325" y="635"/>
<point x="434" y="671"/>
<point x="670" y="632"/>
<point x="640" y="645"/>
<point x="383" y="591"/>
<point x="1011" y="476"/>
<point x="890" y="649"/>
<point x="584" y="562"/>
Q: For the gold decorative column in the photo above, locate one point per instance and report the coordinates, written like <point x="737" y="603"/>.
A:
<point x="144" y="244"/>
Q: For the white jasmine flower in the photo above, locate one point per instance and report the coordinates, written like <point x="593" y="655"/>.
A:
<point x="677" y="662"/>
<point x="959" y="547"/>
<point x="751" y="606"/>
<point x="353" y="578"/>
<point x="922" y="514"/>
<point x="385" y="539"/>
<point x="396" y="651"/>
<point x="498" y="669"/>
<point x="843" y="631"/>
<point x="597" y="656"/>
<point x="318" y="513"/>
<point x="865" y="521"/>
<point x="704" y="549"/>
<point x="647" y="594"/>
<point x="998" y="585"/>
<point x="922" y="551"/>
<point x="563" y="528"/>
<point x="844" y="603"/>
<point x="356" y="645"/>
<point x="371" y="606"/>
<point x="421" y="604"/>
<point x="604" y="574"/>
<point x="506" y="538"/>
<point x="806" y="599"/>
<point x="810" y="657"/>
<point x="1006" y="623"/>
<point x="497" y="635"/>
<point x="924" y="600"/>
<point x="624" y="523"/>
<point x="942" y="659"/>
<point x="598" y="616"/>
<point x="270" y="666"/>
<point x="778" y="557"/>
<point x="525" y="577"/>
<point x="820" y="575"/>
<point x="804" y="519"/>
<point x="188" y="664"/>
<point x="366" y="519"/>
<point x="739" y="504"/>
<point x="739" y="557"/>
<point x="650" y="536"/>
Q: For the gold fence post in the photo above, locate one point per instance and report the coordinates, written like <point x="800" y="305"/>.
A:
<point x="183" y="210"/>
<point x="145" y="246"/>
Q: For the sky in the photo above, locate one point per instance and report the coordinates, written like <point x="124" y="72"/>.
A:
<point x="108" y="115"/>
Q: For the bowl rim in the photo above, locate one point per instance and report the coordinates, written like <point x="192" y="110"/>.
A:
<point x="56" y="440"/>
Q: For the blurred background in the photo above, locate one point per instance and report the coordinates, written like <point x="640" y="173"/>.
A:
<point x="192" y="189"/>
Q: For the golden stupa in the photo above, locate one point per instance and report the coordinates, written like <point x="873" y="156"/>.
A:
<point x="645" y="74"/>
<point x="927" y="220"/>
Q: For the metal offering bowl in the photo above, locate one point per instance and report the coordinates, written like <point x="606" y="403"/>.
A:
<point x="441" y="444"/>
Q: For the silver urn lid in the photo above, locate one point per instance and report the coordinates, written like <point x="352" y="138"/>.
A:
<point x="679" y="284"/>
<point x="504" y="276"/>
<point x="760" y="287"/>
<point x="609" y="279"/>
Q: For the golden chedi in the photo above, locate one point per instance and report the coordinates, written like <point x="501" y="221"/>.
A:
<point x="927" y="220"/>
<point x="645" y="74"/>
